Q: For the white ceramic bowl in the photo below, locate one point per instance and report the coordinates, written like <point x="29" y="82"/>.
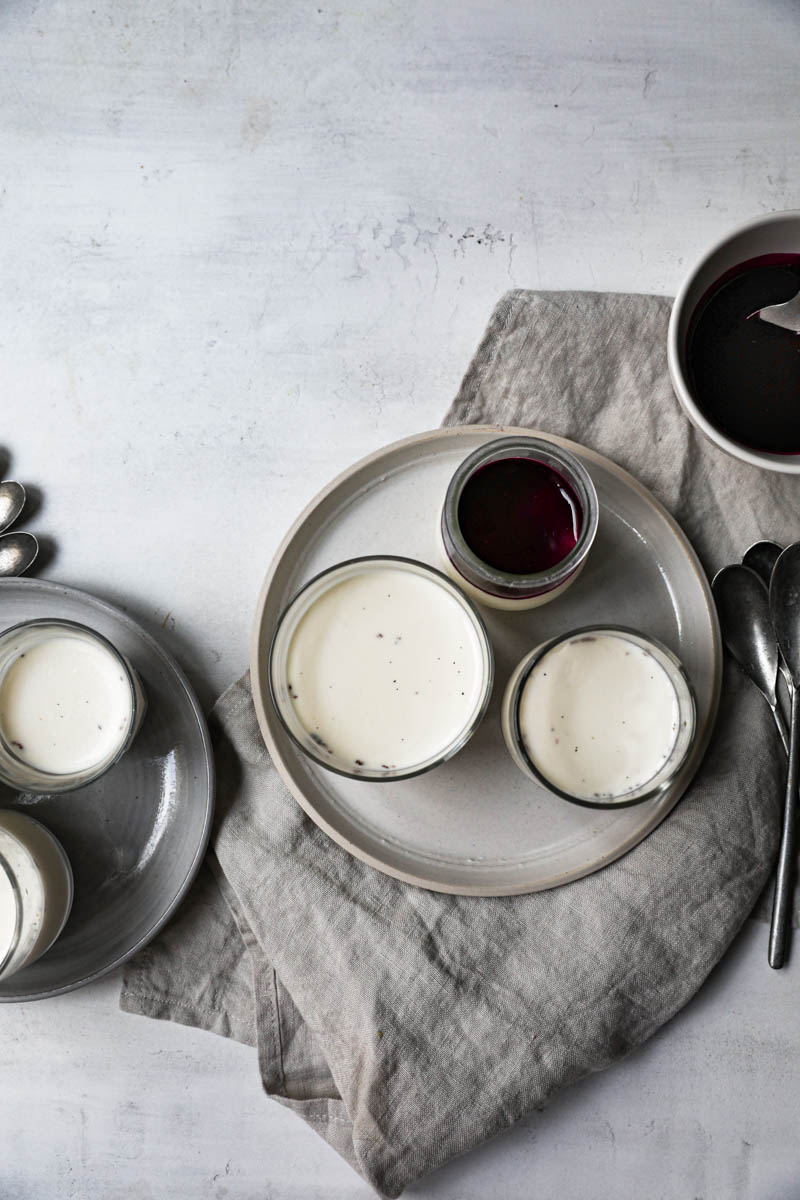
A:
<point x="774" y="233"/>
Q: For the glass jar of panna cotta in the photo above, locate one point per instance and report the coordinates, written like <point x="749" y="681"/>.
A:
<point x="602" y="716"/>
<point x="36" y="891"/>
<point x="70" y="705"/>
<point x="519" y="518"/>
<point x="380" y="668"/>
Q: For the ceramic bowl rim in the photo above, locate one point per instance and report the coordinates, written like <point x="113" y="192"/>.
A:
<point x="788" y="464"/>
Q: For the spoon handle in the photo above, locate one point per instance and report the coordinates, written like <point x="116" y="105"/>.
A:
<point x="781" y="724"/>
<point x="781" y="907"/>
<point x="784" y="670"/>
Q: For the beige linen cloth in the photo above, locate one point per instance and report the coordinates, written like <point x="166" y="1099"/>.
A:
<point x="405" y="1026"/>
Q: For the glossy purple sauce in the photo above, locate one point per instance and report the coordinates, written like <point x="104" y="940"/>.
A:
<point x="745" y="373"/>
<point x="519" y="515"/>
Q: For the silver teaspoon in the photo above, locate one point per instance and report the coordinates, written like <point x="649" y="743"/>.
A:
<point x="744" y="617"/>
<point x="761" y="558"/>
<point x="12" y="502"/>
<point x="786" y="315"/>
<point x="784" y="603"/>
<point x="17" y="553"/>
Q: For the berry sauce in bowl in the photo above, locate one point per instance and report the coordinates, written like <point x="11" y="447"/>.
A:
<point x="737" y="377"/>
<point x="744" y="372"/>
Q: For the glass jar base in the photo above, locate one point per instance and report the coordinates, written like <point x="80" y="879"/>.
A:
<point x="503" y="603"/>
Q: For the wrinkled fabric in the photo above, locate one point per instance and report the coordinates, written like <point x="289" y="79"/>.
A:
<point x="407" y="1026"/>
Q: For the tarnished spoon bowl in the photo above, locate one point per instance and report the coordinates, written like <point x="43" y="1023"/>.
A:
<point x="12" y="502"/>
<point x="744" y="616"/>
<point x="761" y="558"/>
<point x="17" y="553"/>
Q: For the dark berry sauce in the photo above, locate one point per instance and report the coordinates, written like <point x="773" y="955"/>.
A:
<point x="745" y="373"/>
<point x="519" y="515"/>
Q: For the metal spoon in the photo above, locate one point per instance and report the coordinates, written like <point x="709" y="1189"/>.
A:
<point x="744" y="617"/>
<point x="784" y="603"/>
<point x="17" y="553"/>
<point x="12" y="502"/>
<point x="761" y="558"/>
<point x="786" y="315"/>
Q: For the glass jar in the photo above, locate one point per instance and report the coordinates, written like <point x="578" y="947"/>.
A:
<point x="36" y="891"/>
<point x="559" y="513"/>
<point x="380" y="668"/>
<point x="626" y="715"/>
<point x="70" y="705"/>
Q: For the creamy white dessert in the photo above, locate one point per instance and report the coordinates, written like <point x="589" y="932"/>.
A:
<point x="386" y="668"/>
<point x="65" y="705"/>
<point x="68" y="705"/>
<point x="43" y="893"/>
<point x="599" y="716"/>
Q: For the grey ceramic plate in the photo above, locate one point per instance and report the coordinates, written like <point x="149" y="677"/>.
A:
<point x="137" y="836"/>
<point x="476" y="825"/>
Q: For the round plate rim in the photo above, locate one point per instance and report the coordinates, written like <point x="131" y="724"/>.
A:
<point x="261" y="697"/>
<point x="94" y="602"/>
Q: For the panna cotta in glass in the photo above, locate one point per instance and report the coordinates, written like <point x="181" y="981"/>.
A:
<point x="36" y="891"/>
<point x="380" y="668"/>
<point x="519" y="518"/>
<point x="602" y="716"/>
<point x="70" y="705"/>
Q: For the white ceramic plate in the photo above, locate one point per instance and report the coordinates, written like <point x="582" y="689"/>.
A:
<point x="476" y="825"/>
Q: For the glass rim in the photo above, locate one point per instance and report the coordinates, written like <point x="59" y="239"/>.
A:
<point x="88" y="776"/>
<point x="5" y="867"/>
<point x="453" y="747"/>
<point x="505" y="583"/>
<point x="32" y="858"/>
<point x="516" y="700"/>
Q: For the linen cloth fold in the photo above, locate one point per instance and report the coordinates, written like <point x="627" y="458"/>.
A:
<point x="407" y="1026"/>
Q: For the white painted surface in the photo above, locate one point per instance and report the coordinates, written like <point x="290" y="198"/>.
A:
<point x="244" y="243"/>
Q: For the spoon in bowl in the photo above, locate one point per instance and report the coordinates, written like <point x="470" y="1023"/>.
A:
<point x="744" y="616"/>
<point x="12" y="502"/>
<point x="17" y="553"/>
<point x="786" y="315"/>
